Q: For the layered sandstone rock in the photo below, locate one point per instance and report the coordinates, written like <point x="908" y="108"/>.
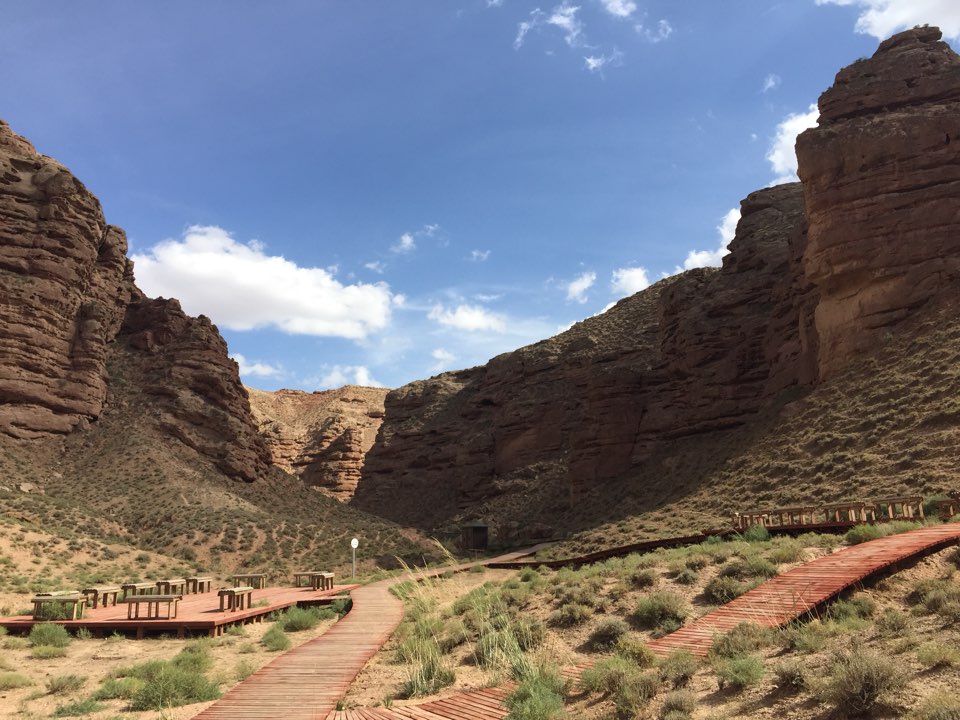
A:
<point x="322" y="436"/>
<point x="64" y="285"/>
<point x="881" y="176"/>
<point x="692" y="354"/>
<point x="69" y="308"/>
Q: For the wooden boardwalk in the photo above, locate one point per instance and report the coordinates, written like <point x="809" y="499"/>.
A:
<point x="199" y="613"/>
<point x="806" y="588"/>
<point x="307" y="682"/>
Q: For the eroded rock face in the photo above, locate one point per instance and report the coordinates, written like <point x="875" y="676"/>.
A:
<point x="64" y="284"/>
<point x="692" y="354"/>
<point x="322" y="436"/>
<point x="881" y="176"/>
<point x="69" y="307"/>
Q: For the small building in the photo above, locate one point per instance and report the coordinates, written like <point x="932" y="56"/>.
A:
<point x="474" y="535"/>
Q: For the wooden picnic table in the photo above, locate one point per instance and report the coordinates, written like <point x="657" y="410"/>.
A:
<point x="139" y="588"/>
<point x="102" y="595"/>
<point x="257" y="581"/>
<point x="153" y="603"/>
<point x="199" y="584"/>
<point x="315" y="579"/>
<point x="172" y="586"/>
<point x="235" y="598"/>
<point x="75" y="600"/>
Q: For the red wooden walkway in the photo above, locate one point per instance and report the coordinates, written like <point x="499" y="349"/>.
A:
<point x="308" y="681"/>
<point x="805" y="588"/>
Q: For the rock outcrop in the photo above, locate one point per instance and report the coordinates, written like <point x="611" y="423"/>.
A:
<point x="322" y="436"/>
<point x="816" y="274"/>
<point x="881" y="176"/>
<point x="69" y="308"/>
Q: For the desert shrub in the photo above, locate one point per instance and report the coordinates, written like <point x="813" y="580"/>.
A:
<point x="529" y="575"/>
<point x="943" y="705"/>
<point x="860" y="679"/>
<point x="297" y="619"/>
<point x="427" y="672"/>
<point x="806" y="637"/>
<point x="678" y="667"/>
<point x="636" y="651"/>
<point x="275" y="639"/>
<point x="790" y="675"/>
<point x="687" y="576"/>
<point x="455" y="634"/>
<point x="787" y="551"/>
<point x="76" y="709"/>
<point x="607" y="633"/>
<point x="751" y="566"/>
<point x="166" y="684"/>
<point x="528" y="632"/>
<point x="697" y="561"/>
<point x="496" y="649"/>
<point x="936" y="654"/>
<point x="893" y="621"/>
<point x="539" y="696"/>
<point x="571" y="614"/>
<point x="678" y="704"/>
<point x="195" y="657"/>
<point x="63" y="684"/>
<point x="741" y="640"/>
<point x="634" y="693"/>
<point x="756" y="533"/>
<point x="11" y="681"/>
<point x="644" y="578"/>
<point x="863" y="533"/>
<point x="660" y="610"/>
<point x="50" y="635"/>
<point x="859" y="606"/>
<point x="607" y="675"/>
<point x="114" y="688"/>
<point x="739" y="672"/>
<point x="47" y="652"/>
<point x="721" y="590"/>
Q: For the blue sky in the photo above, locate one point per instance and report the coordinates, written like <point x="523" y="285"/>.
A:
<point x="376" y="191"/>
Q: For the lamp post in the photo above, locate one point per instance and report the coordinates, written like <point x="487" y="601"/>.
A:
<point x="353" y="544"/>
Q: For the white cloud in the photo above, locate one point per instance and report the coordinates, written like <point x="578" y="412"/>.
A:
<point x="629" y="280"/>
<point x="399" y="299"/>
<point x="376" y="266"/>
<point x="256" y="368"/>
<point x="444" y="359"/>
<point x="479" y="255"/>
<point x="782" y="154"/>
<point x="620" y="8"/>
<point x="340" y="375"/>
<point x="595" y="63"/>
<point x="467" y="317"/>
<point x="429" y="230"/>
<point x="240" y="287"/>
<point x="577" y="288"/>
<point x="659" y="33"/>
<point x="406" y="244"/>
<point x="563" y="17"/>
<point x="882" y="18"/>
<point x="494" y="3"/>
<point x="714" y="258"/>
<point x="771" y="82"/>
<point x="487" y="298"/>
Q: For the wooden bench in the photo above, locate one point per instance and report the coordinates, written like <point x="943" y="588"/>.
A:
<point x="858" y="512"/>
<point x="901" y="508"/>
<point x="257" y="581"/>
<point x="316" y="580"/>
<point x="101" y="595"/>
<point x="199" y="584"/>
<point x="140" y="588"/>
<point x="172" y="586"/>
<point x="153" y="603"/>
<point x="235" y="598"/>
<point x="73" y="599"/>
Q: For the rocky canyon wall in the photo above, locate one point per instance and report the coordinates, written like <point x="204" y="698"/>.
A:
<point x="817" y="273"/>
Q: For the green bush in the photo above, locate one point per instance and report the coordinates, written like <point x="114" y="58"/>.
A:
<point x="195" y="657"/>
<point x="744" y="638"/>
<point x="47" y="652"/>
<point x="63" y="684"/>
<point x="936" y="654"/>
<point x="427" y="671"/>
<point x="636" y="651"/>
<point x="168" y="685"/>
<point x="893" y="621"/>
<point x="790" y="675"/>
<point x="297" y="619"/>
<point x="678" y="704"/>
<point x="943" y="705"/>
<point x="607" y="675"/>
<point x="528" y="632"/>
<point x="118" y="688"/>
<point x="11" y="681"/>
<point x="858" y="680"/>
<point x="752" y="566"/>
<point x="863" y="533"/>
<point x="50" y="635"/>
<point x="644" y="578"/>
<point x="739" y="672"/>
<point x="83" y="707"/>
<point x="607" y="633"/>
<point x="859" y="606"/>
<point x="806" y="637"/>
<point x="275" y="639"/>
<point x="660" y="610"/>
<point x="721" y="590"/>
<point x="539" y="696"/>
<point x="678" y="667"/>
<point x="634" y="693"/>
<point x="756" y="533"/>
<point x="787" y="551"/>
<point x="571" y="614"/>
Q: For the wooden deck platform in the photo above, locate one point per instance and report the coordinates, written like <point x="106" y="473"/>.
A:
<point x="198" y="613"/>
